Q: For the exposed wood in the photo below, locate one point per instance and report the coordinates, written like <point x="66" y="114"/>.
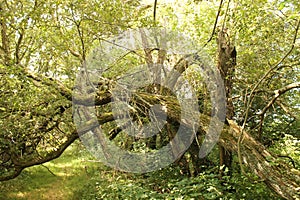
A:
<point x="5" y="45"/>
<point x="278" y="175"/>
<point x="226" y="66"/>
<point x="283" y="179"/>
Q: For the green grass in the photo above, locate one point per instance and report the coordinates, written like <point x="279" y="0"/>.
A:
<point x="69" y="173"/>
<point x="74" y="176"/>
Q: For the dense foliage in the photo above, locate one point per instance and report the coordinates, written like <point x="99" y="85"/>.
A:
<point x="44" y="44"/>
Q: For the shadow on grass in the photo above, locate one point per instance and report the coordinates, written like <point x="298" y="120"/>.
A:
<point x="68" y="174"/>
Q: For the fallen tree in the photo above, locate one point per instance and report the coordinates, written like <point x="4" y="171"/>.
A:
<point x="278" y="175"/>
<point x="40" y="129"/>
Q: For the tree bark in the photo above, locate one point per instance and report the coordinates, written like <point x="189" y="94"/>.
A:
<point x="282" y="178"/>
<point x="226" y="66"/>
<point x="279" y="176"/>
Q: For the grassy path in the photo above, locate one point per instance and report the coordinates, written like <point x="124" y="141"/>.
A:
<point x="70" y="173"/>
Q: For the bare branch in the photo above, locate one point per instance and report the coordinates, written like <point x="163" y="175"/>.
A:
<point x="250" y="98"/>
<point x="286" y="109"/>
<point x="277" y="93"/>
<point x="215" y="25"/>
<point x="154" y="11"/>
<point x="18" y="45"/>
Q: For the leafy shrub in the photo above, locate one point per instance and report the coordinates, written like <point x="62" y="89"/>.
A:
<point x="170" y="184"/>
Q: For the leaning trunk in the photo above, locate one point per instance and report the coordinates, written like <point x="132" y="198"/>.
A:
<point x="280" y="177"/>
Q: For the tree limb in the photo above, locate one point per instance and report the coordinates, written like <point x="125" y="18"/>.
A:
<point x="277" y="93"/>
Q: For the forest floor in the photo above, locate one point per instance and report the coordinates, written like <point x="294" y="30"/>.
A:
<point x="58" y="179"/>
<point x="76" y="176"/>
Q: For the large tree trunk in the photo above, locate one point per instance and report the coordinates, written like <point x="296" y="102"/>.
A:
<point x="283" y="179"/>
<point x="226" y="66"/>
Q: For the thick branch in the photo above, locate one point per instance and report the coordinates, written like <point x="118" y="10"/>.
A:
<point x="92" y="100"/>
<point x="19" y="165"/>
<point x="85" y="100"/>
<point x="64" y="91"/>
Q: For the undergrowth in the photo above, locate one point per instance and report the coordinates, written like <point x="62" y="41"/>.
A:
<point x="76" y="176"/>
